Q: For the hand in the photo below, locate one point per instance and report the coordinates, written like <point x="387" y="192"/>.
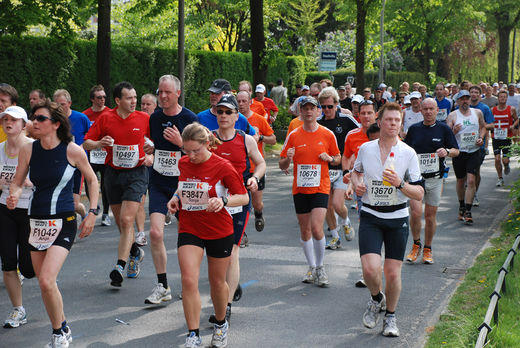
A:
<point x="107" y="140"/>
<point x="325" y="157"/>
<point x="441" y="152"/>
<point x="173" y="205"/>
<point x="349" y="193"/>
<point x="173" y="135"/>
<point x="215" y="204"/>
<point x="346" y="178"/>
<point x="87" y="225"/>
<point x="360" y="189"/>
<point x="457" y="128"/>
<point x="392" y="177"/>
<point x="148" y="160"/>
<point x="479" y="141"/>
<point x="148" y="149"/>
<point x="290" y="153"/>
<point x="252" y="184"/>
<point x="11" y="202"/>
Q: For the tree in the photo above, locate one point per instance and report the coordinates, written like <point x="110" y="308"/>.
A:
<point x="258" y="41"/>
<point x="362" y="7"/>
<point x="104" y="47"/>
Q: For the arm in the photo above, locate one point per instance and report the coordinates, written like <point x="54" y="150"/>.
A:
<point x="90" y="144"/>
<point x="258" y="160"/>
<point x="285" y="162"/>
<point x="482" y="128"/>
<point x="515" y="117"/>
<point x="15" y="189"/>
<point x="268" y="139"/>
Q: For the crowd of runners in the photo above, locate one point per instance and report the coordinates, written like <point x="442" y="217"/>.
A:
<point x="387" y="151"/>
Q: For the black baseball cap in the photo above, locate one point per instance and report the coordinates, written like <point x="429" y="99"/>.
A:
<point x="229" y="101"/>
<point x="220" y="85"/>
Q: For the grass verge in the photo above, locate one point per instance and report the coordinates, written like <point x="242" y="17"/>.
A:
<point x="458" y="326"/>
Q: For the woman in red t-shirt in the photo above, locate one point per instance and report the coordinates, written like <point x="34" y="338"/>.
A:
<point x="204" y="224"/>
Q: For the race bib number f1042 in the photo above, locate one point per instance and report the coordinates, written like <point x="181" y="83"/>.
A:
<point x="44" y="232"/>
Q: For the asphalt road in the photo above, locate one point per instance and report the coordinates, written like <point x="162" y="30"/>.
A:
<point x="276" y="310"/>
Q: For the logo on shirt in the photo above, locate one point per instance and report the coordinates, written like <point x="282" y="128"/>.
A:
<point x="436" y="139"/>
<point x="303" y="145"/>
<point x="339" y="129"/>
<point x="136" y="129"/>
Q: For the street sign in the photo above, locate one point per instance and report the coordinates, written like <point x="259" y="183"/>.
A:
<point x="328" y="61"/>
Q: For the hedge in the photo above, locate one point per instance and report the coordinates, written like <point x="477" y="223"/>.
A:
<point x="393" y="78"/>
<point x="34" y="62"/>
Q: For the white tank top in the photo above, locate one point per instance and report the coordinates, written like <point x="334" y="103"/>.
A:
<point x="7" y="171"/>
<point x="469" y="133"/>
<point x="411" y="117"/>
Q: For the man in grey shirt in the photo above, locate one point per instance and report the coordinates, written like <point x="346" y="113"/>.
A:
<point x="489" y="99"/>
<point x="279" y="94"/>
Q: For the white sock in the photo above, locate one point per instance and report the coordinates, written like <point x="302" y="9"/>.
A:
<point x="319" y="250"/>
<point x="335" y="232"/>
<point x="309" y="253"/>
<point x="341" y="221"/>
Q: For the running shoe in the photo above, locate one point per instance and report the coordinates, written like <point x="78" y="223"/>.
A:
<point x="105" y="220"/>
<point x="353" y="206"/>
<point x="259" y="223"/>
<point x="244" y="242"/>
<point x="58" y="341"/>
<point x="361" y="283"/>
<point x="414" y="253"/>
<point x="219" y="338"/>
<point x="213" y="319"/>
<point x="193" y="341"/>
<point x="238" y="293"/>
<point x="468" y="220"/>
<point x="333" y="244"/>
<point x="500" y="182"/>
<point x="310" y="275"/>
<point x="427" y="256"/>
<point x="321" y="277"/>
<point x="390" y="326"/>
<point x="134" y="265"/>
<point x="140" y="239"/>
<point x="371" y="315"/>
<point x="116" y="276"/>
<point x="15" y="319"/>
<point x="159" y="294"/>
<point x="461" y="213"/>
<point x="476" y="202"/>
<point x="68" y="334"/>
<point x="167" y="219"/>
<point x="350" y="233"/>
<point x="20" y="276"/>
<point x="507" y="169"/>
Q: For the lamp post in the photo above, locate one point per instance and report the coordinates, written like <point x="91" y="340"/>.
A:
<point x="381" y="34"/>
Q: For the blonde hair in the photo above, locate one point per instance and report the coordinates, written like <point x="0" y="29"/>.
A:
<point x="199" y="133"/>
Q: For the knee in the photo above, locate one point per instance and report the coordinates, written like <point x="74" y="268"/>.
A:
<point x="190" y="282"/>
<point x="156" y="235"/>
<point x="47" y="284"/>
<point x="392" y="276"/>
<point x="370" y="271"/>
<point x="126" y="221"/>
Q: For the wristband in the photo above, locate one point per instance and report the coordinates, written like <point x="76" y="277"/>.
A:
<point x="176" y="195"/>
<point x="346" y="171"/>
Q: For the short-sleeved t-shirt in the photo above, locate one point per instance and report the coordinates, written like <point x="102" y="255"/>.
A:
<point x="258" y="107"/>
<point x="128" y="134"/>
<point x="158" y="123"/>
<point x="207" y="119"/>
<point x="353" y="141"/>
<point x="340" y="126"/>
<point x="79" y="126"/>
<point x="295" y="123"/>
<point x="270" y="107"/>
<point x="427" y="139"/>
<point x="93" y="115"/>
<point x="220" y="175"/>
<point x="444" y="107"/>
<point x="311" y="174"/>
<point x="264" y="129"/>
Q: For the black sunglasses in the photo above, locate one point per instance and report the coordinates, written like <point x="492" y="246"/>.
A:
<point x="41" y="118"/>
<point x="366" y="102"/>
<point x="327" y="106"/>
<point x="101" y="96"/>
<point x="227" y="112"/>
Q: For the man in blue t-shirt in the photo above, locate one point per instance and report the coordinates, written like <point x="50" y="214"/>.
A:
<point x="208" y="117"/>
<point x="443" y="104"/>
<point x="433" y="141"/>
<point x="79" y="126"/>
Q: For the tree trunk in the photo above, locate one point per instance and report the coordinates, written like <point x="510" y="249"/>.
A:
<point x="258" y="41"/>
<point x="103" y="48"/>
<point x="503" y="52"/>
<point x="360" y="45"/>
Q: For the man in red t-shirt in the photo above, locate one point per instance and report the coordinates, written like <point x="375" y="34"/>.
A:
<point x="121" y="132"/>
<point x="98" y="98"/>
<point x="270" y="107"/>
<point x="267" y="136"/>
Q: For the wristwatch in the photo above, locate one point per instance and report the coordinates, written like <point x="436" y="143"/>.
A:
<point x="401" y="185"/>
<point x="260" y="138"/>
<point x="94" y="211"/>
<point x="224" y="200"/>
<point x="447" y="152"/>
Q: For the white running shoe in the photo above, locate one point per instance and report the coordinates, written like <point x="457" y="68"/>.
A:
<point x="58" y="341"/>
<point x="193" y="341"/>
<point x="15" y="319"/>
<point x="140" y="239"/>
<point x="350" y="233"/>
<point x="105" y="220"/>
<point x="310" y="275"/>
<point x="390" y="326"/>
<point x="219" y="339"/>
<point x="371" y="315"/>
<point x="321" y="277"/>
<point x="159" y="294"/>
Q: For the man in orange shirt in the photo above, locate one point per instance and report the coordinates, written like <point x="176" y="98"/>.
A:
<point x="255" y="106"/>
<point x="311" y="148"/>
<point x="265" y="135"/>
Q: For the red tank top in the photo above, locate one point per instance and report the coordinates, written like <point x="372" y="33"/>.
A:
<point x="235" y="151"/>
<point x="503" y="119"/>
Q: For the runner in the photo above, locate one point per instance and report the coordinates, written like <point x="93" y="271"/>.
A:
<point x="166" y="126"/>
<point x="378" y="176"/>
<point x="121" y="131"/>
<point x="241" y="150"/>
<point x="14" y="229"/>
<point x="311" y="148"/>
<point x="266" y="136"/>
<point x="433" y="141"/>
<point x="339" y="124"/>
<point x="506" y="119"/>
<point x="413" y="114"/>
<point x="205" y="224"/>
<point x="51" y="245"/>
<point x="469" y="128"/>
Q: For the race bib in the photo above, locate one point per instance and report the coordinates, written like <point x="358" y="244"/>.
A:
<point x="98" y="156"/>
<point x="308" y="175"/>
<point x="442" y="115"/>
<point x="381" y="195"/>
<point x="44" y="232"/>
<point x="125" y="156"/>
<point x="194" y="195"/>
<point x="166" y="162"/>
<point x="428" y="162"/>
<point x="500" y="133"/>
<point x="335" y="174"/>
<point x="7" y="176"/>
<point x="468" y="140"/>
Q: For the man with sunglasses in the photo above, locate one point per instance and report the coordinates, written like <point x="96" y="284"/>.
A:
<point x="340" y="124"/>
<point x="97" y="98"/>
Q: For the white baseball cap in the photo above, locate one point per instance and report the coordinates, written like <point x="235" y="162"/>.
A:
<point x="260" y="88"/>
<point x="16" y="112"/>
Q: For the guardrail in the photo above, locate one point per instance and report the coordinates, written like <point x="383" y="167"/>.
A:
<point x="492" y="311"/>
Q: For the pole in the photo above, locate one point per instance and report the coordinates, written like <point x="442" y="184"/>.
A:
<point x="180" y="50"/>
<point x="513" y="57"/>
<point x="381" y="35"/>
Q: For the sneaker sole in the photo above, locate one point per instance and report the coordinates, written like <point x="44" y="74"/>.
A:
<point x="164" y="299"/>
<point x="238" y="293"/>
<point x="391" y="334"/>
<point x="115" y="282"/>
<point x="259" y="225"/>
<point x="323" y="285"/>
<point x="9" y="326"/>
<point x="428" y="262"/>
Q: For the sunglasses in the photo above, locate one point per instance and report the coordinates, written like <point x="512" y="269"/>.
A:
<point x="41" y="118"/>
<point x="327" y="106"/>
<point x="101" y="96"/>
<point x="366" y="102"/>
<point x="227" y="112"/>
